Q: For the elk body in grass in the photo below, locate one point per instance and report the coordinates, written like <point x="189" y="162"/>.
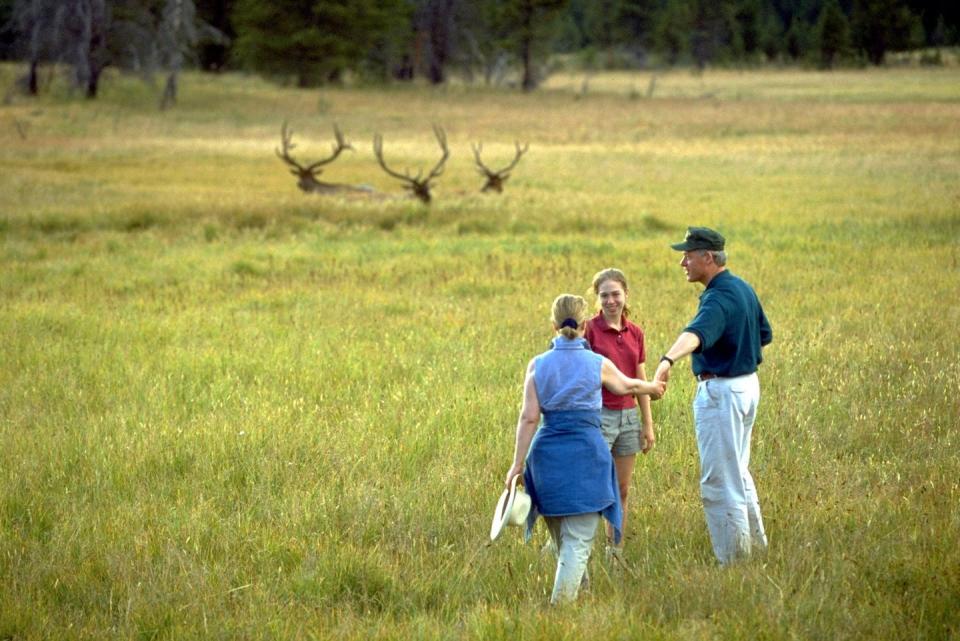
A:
<point x="307" y="175"/>
<point x="496" y="178"/>
<point x="419" y="186"/>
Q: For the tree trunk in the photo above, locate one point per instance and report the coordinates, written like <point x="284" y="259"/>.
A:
<point x="439" y="25"/>
<point x="435" y="71"/>
<point x="526" y="48"/>
<point x="169" y="97"/>
<point x="93" y="81"/>
<point x="93" y="56"/>
<point x="33" y="84"/>
<point x="404" y="70"/>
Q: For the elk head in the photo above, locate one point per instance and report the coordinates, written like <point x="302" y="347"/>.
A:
<point x="419" y="187"/>
<point x="307" y="176"/>
<point x="495" y="179"/>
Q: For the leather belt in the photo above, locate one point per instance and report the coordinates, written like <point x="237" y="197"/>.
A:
<point x="706" y="376"/>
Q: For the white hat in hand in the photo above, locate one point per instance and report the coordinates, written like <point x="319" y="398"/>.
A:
<point x="512" y="509"/>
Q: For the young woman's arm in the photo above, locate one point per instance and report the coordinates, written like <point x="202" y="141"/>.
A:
<point x="646" y="416"/>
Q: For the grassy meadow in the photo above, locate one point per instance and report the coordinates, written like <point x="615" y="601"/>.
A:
<point x="231" y="410"/>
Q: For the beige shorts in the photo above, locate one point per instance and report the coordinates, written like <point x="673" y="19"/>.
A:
<point x="621" y="431"/>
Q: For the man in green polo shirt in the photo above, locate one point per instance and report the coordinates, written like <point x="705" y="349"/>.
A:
<point x="725" y="339"/>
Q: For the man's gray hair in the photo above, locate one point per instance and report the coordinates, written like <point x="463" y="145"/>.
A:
<point x="719" y="258"/>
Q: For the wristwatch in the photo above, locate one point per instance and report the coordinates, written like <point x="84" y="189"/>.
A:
<point x="666" y="358"/>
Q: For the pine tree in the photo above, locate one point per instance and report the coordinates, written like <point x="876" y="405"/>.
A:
<point x="671" y="30"/>
<point x="797" y="39"/>
<point x="533" y="23"/>
<point x="880" y="26"/>
<point x="312" y="41"/>
<point x="833" y="33"/>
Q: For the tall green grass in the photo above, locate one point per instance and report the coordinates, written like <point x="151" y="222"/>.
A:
<point x="232" y="410"/>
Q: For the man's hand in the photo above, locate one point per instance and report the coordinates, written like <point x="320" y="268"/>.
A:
<point x="663" y="372"/>
<point x="655" y="389"/>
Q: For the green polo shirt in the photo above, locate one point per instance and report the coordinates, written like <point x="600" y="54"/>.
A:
<point x="731" y="326"/>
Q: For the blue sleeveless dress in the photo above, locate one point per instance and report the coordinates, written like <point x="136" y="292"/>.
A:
<point x="569" y="469"/>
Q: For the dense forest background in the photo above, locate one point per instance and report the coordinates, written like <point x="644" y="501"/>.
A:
<point x="316" y="42"/>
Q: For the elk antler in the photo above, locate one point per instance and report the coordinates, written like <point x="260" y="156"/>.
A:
<point x="495" y="179"/>
<point x="307" y="176"/>
<point x="417" y="186"/>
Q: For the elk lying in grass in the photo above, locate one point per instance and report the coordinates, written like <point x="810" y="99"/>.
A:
<point x="419" y="187"/>
<point x="307" y="176"/>
<point x="495" y="179"/>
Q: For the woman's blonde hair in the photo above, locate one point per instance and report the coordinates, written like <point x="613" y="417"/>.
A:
<point x="610" y="273"/>
<point x="567" y="308"/>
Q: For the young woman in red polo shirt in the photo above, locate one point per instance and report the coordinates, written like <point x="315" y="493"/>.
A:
<point x="611" y="334"/>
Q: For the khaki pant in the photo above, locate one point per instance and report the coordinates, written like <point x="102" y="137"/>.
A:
<point x="573" y="536"/>
<point x="724" y="411"/>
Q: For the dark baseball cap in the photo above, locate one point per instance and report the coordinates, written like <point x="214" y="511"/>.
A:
<point x="701" y="238"/>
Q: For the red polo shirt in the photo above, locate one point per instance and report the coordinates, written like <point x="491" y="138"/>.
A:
<point x="623" y="347"/>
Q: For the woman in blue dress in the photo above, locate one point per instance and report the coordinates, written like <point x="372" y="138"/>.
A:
<point x="570" y="475"/>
